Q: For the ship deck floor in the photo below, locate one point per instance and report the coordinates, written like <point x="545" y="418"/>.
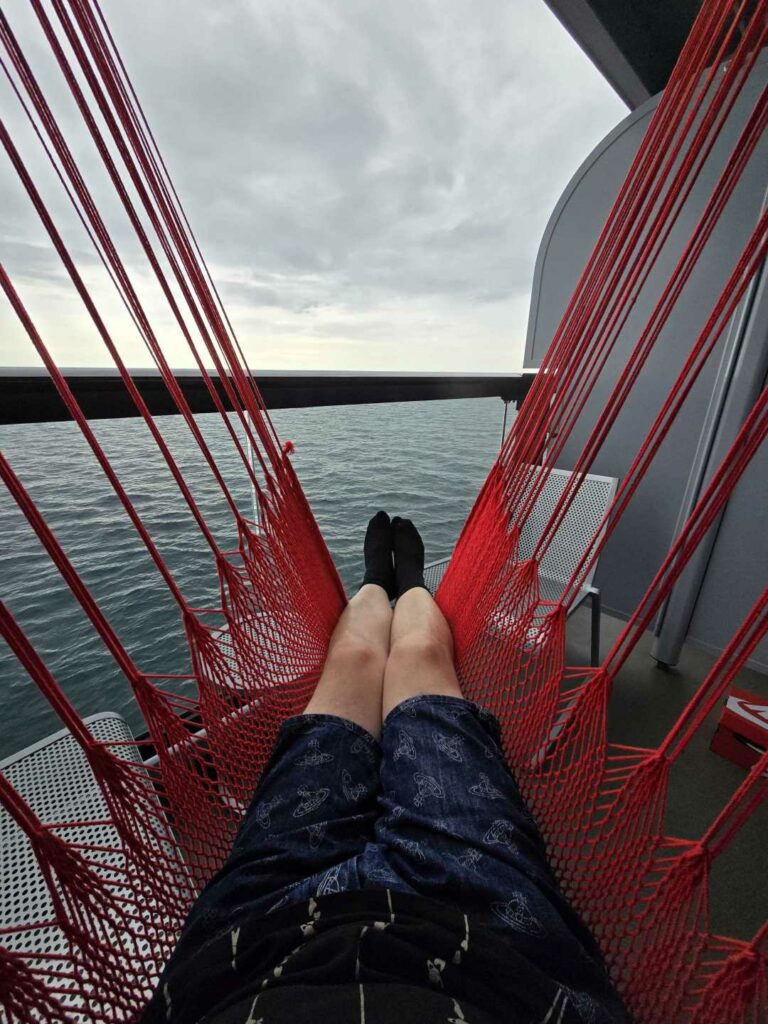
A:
<point x="645" y="703"/>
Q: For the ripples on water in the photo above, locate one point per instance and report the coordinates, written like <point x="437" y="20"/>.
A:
<point x="424" y="460"/>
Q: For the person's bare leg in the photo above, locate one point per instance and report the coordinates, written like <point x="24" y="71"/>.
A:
<point x="351" y="682"/>
<point x="421" y="652"/>
<point x="353" y="676"/>
<point x="421" y="644"/>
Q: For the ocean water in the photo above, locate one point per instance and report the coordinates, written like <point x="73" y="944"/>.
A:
<point x="425" y="460"/>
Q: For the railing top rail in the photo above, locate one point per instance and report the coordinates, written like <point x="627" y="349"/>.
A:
<point x="28" y="395"/>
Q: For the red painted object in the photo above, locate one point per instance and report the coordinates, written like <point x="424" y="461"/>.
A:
<point x="742" y="732"/>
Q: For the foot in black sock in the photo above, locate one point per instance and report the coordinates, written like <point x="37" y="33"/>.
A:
<point x="378" y="554"/>
<point x="408" y="548"/>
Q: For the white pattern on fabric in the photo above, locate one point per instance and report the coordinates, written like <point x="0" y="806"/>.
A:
<point x="286" y="897"/>
<point x="251" y="1019"/>
<point x="362" y="1006"/>
<point x="277" y="971"/>
<point x="435" y="970"/>
<point x="316" y="833"/>
<point x="234" y="936"/>
<point x="363" y="930"/>
<point x="587" y="1008"/>
<point x="451" y="746"/>
<point x="360" y="746"/>
<point x="391" y="911"/>
<point x="405" y="747"/>
<point x="351" y="792"/>
<point x="485" y="788"/>
<point x="464" y="944"/>
<point x="546" y="1019"/>
<point x="263" y="811"/>
<point x="517" y="914"/>
<point x="470" y="858"/>
<point x="551" y="1010"/>
<point x="501" y="832"/>
<point x="428" y="786"/>
<point x="311" y="800"/>
<point x="383" y="875"/>
<point x="455" y="711"/>
<point x="413" y="848"/>
<point x="459" y="1018"/>
<point x="314" y="756"/>
<point x="330" y="881"/>
<point x="308" y="929"/>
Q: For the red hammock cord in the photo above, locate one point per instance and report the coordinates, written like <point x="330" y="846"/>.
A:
<point x="119" y="883"/>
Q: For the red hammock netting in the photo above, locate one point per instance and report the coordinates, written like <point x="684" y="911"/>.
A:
<point x="116" y="906"/>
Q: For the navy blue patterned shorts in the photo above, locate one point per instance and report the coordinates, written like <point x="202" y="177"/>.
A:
<point x="433" y="810"/>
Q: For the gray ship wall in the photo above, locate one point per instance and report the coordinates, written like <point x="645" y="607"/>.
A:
<point x="738" y="565"/>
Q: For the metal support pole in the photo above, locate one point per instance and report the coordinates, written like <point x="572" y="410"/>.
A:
<point x="249" y="449"/>
<point x="594" y="644"/>
<point x="504" y="423"/>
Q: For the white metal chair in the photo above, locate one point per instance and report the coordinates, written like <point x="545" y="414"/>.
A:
<point x="568" y="545"/>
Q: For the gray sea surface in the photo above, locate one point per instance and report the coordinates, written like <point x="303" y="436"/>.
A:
<point x="425" y="460"/>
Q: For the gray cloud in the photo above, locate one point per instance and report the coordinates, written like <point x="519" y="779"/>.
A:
<point x="353" y="168"/>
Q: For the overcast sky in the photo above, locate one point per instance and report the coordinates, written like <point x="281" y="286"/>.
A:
<point x="369" y="180"/>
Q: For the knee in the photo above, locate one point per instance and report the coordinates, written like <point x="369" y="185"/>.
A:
<point x="357" y="655"/>
<point x="423" y="649"/>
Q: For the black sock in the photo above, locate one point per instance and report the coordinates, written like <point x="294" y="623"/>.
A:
<point x="378" y="554"/>
<point x="408" y="548"/>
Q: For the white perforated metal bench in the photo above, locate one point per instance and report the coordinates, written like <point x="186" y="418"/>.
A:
<point x="572" y="539"/>
<point x="55" y="779"/>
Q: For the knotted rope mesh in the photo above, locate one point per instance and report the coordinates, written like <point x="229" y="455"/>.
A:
<point x="118" y="888"/>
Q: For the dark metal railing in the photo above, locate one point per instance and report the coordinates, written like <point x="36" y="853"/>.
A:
<point x="27" y="395"/>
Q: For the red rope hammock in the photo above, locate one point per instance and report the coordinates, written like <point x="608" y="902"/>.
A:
<point x="116" y="906"/>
